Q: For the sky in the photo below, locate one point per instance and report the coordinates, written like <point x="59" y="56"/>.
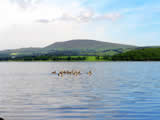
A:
<point x="38" y="23"/>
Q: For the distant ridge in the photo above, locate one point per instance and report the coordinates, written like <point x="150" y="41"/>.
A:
<point x="81" y="47"/>
<point x="86" y="44"/>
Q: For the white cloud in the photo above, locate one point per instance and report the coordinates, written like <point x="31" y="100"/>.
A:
<point x="25" y="3"/>
<point x="36" y="10"/>
<point x="83" y="16"/>
<point x="43" y="21"/>
<point x="110" y="16"/>
<point x="70" y="20"/>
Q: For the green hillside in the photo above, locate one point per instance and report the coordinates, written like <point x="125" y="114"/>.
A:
<point x="21" y="52"/>
<point x="71" y="48"/>
<point x="140" y="54"/>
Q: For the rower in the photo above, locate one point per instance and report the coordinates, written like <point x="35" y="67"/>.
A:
<point x="54" y="72"/>
<point x="90" y="72"/>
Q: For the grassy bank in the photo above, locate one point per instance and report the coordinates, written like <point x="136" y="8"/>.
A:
<point x="57" y="58"/>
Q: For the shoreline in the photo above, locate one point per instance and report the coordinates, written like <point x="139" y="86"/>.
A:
<point x="75" y="61"/>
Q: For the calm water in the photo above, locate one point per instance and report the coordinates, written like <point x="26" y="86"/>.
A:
<point x="115" y="91"/>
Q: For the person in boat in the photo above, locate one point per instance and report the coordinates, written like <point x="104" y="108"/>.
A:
<point x="61" y="73"/>
<point x="54" y="72"/>
<point x="90" y="72"/>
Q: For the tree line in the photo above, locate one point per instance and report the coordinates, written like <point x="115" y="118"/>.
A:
<point x="141" y="54"/>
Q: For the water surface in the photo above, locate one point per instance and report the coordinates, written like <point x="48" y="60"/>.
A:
<point x="115" y="91"/>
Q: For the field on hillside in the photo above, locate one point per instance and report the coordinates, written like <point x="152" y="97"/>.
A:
<point x="141" y="54"/>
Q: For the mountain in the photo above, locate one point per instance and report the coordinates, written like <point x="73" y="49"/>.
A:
<point x="81" y="44"/>
<point x="72" y="47"/>
<point x="140" y="54"/>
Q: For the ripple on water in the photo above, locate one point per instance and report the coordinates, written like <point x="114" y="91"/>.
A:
<point x="29" y="92"/>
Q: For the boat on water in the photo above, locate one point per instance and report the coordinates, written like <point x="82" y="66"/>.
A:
<point x="72" y="72"/>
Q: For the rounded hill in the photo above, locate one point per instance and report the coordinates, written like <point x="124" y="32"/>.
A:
<point x="85" y="44"/>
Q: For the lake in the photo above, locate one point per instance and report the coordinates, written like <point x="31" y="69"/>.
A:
<point x="115" y="91"/>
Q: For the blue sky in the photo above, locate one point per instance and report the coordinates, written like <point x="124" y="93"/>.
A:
<point x="37" y="23"/>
